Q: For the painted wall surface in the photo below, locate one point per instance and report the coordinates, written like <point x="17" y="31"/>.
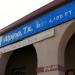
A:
<point x="30" y="40"/>
<point x="50" y="52"/>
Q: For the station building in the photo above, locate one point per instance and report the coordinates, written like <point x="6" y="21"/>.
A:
<point x="41" y="43"/>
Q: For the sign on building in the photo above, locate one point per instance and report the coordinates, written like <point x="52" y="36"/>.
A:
<point x="39" y="24"/>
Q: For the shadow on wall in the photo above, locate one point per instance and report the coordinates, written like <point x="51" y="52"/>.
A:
<point x="70" y="55"/>
<point x="22" y="62"/>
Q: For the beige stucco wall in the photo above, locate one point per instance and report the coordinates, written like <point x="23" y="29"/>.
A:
<point x="50" y="52"/>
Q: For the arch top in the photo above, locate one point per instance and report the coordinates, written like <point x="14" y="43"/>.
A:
<point x="65" y="37"/>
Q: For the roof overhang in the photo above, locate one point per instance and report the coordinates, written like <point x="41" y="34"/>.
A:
<point x="46" y="8"/>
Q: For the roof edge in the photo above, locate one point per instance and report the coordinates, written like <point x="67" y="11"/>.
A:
<point x="34" y="14"/>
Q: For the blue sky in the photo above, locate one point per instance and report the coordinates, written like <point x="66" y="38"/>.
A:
<point x="12" y="10"/>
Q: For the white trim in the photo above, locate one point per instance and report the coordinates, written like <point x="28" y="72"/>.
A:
<point x="27" y="41"/>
